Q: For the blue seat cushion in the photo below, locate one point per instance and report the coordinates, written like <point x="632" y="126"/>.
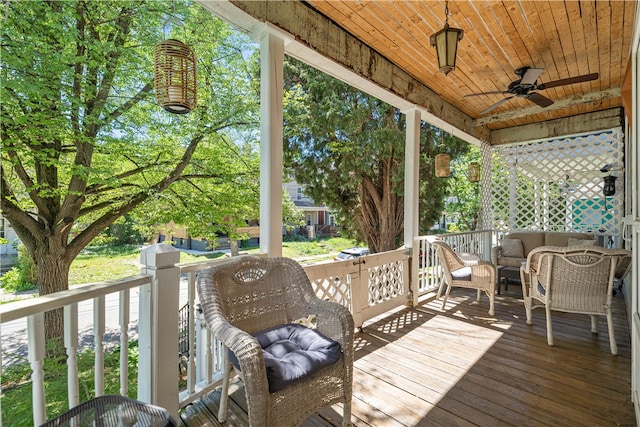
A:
<point x="541" y="289"/>
<point x="293" y="352"/>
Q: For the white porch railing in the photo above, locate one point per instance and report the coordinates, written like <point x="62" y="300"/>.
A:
<point x="369" y="286"/>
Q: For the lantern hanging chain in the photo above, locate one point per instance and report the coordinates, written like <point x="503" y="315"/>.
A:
<point x="446" y="12"/>
<point x="172" y="19"/>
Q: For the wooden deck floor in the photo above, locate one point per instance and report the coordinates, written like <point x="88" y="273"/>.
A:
<point x="426" y="366"/>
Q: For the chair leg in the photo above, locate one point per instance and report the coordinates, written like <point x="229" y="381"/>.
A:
<point x="446" y="295"/>
<point x="527" y="309"/>
<point x="491" y="303"/>
<point x="224" y="396"/>
<point x="346" y="414"/>
<point x="612" y="337"/>
<point x="594" y="324"/>
<point x="440" y="289"/>
<point x="549" y="329"/>
<point x="478" y="294"/>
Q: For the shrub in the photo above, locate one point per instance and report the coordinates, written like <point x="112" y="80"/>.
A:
<point x="22" y="277"/>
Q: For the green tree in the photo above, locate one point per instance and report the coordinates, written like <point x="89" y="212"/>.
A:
<point x="347" y="148"/>
<point x="83" y="141"/>
<point x="464" y="195"/>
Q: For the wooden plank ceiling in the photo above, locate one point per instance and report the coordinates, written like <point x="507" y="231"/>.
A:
<point x="565" y="38"/>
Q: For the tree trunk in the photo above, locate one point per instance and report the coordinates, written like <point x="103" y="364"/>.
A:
<point x="53" y="276"/>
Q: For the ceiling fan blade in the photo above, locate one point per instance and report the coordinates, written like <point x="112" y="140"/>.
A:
<point x="502" y="101"/>
<point x="497" y="92"/>
<point x="542" y="101"/>
<point x="531" y="75"/>
<point x="569" y="81"/>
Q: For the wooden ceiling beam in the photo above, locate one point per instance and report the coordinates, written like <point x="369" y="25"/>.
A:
<point x="588" y="122"/>
<point x="557" y="105"/>
<point x="323" y="44"/>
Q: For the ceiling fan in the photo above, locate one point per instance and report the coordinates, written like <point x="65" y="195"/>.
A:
<point x="525" y="86"/>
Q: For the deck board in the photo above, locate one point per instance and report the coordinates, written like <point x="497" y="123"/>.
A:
<point x="426" y="366"/>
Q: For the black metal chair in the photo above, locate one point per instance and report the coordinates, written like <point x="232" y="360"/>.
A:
<point x="113" y="410"/>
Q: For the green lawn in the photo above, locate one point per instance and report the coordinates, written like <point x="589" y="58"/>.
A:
<point x="96" y="264"/>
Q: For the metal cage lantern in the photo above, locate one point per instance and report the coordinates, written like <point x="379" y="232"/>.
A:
<point x="443" y="165"/>
<point x="446" y="43"/>
<point x="175" y="78"/>
<point x="473" y="172"/>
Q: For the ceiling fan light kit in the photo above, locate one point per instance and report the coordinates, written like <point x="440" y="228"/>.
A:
<point x="526" y="87"/>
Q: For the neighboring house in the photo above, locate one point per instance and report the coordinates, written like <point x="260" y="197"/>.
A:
<point x="314" y="213"/>
<point x="7" y="231"/>
<point x="317" y="216"/>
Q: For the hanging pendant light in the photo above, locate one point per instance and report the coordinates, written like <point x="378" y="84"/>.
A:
<point x="175" y="78"/>
<point x="443" y="161"/>
<point x="443" y="165"/>
<point x="446" y="44"/>
<point x="473" y="172"/>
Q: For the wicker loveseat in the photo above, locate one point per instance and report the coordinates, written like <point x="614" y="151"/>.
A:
<point x="515" y="247"/>
<point x="572" y="279"/>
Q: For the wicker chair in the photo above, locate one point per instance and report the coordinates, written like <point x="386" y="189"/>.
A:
<point x="480" y="275"/>
<point x="249" y="294"/>
<point x="575" y="280"/>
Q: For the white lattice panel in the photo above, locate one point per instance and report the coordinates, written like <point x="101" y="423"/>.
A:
<point x="557" y="185"/>
<point x="334" y="289"/>
<point x="385" y="282"/>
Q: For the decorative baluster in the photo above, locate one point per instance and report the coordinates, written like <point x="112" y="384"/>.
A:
<point x="35" y="331"/>
<point x="98" y="333"/>
<point x="191" y="368"/>
<point x="71" y="345"/>
<point x="124" y="341"/>
<point x="209" y="359"/>
<point x="201" y="348"/>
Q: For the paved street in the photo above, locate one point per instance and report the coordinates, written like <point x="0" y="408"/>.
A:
<point x="14" y="334"/>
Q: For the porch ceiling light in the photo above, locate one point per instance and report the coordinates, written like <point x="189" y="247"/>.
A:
<point x="473" y="172"/>
<point x="446" y="43"/>
<point x="175" y="80"/>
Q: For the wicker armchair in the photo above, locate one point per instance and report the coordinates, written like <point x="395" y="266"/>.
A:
<point x="575" y="280"/>
<point x="250" y="294"/>
<point x="481" y="275"/>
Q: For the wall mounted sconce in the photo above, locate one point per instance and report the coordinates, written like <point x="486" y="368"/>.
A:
<point x="609" y="187"/>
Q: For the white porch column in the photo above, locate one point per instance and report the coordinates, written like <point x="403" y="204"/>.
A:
<point x="633" y="218"/>
<point x="271" y="123"/>
<point x="158" y="328"/>
<point x="411" y="187"/>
